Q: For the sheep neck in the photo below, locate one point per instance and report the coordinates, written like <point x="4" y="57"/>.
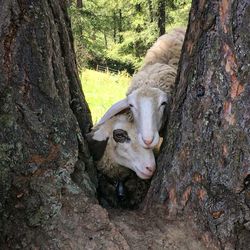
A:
<point x="108" y="167"/>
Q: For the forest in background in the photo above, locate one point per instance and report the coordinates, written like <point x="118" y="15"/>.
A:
<point x="114" y="36"/>
<point x="118" y="33"/>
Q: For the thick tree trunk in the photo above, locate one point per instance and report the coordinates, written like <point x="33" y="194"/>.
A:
<point x="43" y="115"/>
<point x="204" y="167"/>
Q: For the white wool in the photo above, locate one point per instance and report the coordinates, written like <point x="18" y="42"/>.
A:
<point x="166" y="49"/>
<point x="160" y="63"/>
<point x="157" y="75"/>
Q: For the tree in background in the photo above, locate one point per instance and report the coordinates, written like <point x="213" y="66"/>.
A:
<point x="79" y="3"/>
<point x="162" y="17"/>
<point x="119" y="33"/>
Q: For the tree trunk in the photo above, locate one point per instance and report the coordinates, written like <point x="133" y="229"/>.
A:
<point x="150" y="9"/>
<point x="120" y="26"/>
<point x="204" y="166"/>
<point x="43" y="115"/>
<point x="114" y="26"/>
<point x="161" y="17"/>
<point x="79" y="3"/>
<point x="105" y="40"/>
<point x="69" y="3"/>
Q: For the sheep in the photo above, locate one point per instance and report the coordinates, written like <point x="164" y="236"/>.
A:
<point x="166" y="49"/>
<point x="114" y="144"/>
<point x="118" y="155"/>
<point x="149" y="94"/>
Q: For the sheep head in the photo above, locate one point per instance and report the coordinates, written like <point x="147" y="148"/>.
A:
<point x="147" y="105"/>
<point x="118" y="137"/>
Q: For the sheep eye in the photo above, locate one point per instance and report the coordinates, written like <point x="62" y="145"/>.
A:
<point x="131" y="105"/>
<point x="120" y="135"/>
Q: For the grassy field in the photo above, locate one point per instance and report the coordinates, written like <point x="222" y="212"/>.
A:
<point x="102" y="90"/>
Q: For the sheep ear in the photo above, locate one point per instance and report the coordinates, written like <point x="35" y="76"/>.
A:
<point x="165" y="117"/>
<point x="97" y="142"/>
<point x="115" y="109"/>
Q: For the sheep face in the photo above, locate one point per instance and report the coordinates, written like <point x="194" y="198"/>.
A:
<point x="120" y="137"/>
<point x="148" y="105"/>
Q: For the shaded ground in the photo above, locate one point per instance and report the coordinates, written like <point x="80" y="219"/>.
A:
<point x="141" y="231"/>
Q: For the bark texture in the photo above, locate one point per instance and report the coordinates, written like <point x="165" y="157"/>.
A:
<point x="204" y="167"/>
<point x="43" y="115"/>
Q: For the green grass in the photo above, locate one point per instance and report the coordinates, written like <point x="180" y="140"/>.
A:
<point x="102" y="90"/>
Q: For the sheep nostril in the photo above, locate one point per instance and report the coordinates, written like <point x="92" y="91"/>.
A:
<point x="150" y="168"/>
<point x="149" y="141"/>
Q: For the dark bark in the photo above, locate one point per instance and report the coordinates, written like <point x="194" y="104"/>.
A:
<point x="161" y="16"/>
<point x="79" y="3"/>
<point x="69" y="2"/>
<point x="204" y="166"/>
<point x="120" y="26"/>
<point x="43" y="115"/>
<point x="105" y="40"/>
<point x="138" y="7"/>
<point x="114" y="26"/>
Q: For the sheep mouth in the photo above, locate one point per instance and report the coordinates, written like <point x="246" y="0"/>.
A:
<point x="143" y="175"/>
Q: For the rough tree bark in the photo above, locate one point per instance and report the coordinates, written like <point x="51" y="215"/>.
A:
<point x="43" y="115"/>
<point x="204" y="166"/>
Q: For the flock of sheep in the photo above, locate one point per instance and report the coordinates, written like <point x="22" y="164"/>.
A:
<point x="126" y="135"/>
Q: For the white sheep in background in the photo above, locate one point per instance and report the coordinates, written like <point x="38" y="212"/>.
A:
<point x="114" y="144"/>
<point x="166" y="49"/>
<point x="151" y="88"/>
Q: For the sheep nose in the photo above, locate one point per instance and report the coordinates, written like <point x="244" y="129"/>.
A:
<point x="151" y="168"/>
<point x="148" y="141"/>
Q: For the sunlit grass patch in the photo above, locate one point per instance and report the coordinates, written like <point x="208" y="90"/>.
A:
<point x="102" y="90"/>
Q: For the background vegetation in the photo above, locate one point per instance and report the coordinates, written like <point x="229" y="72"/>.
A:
<point x="118" y="33"/>
<point x="103" y="89"/>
